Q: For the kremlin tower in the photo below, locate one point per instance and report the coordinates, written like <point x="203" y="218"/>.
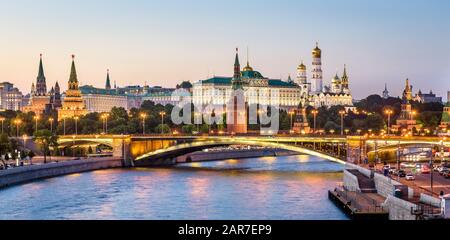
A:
<point x="73" y="104"/>
<point x="41" y="101"/>
<point x="237" y="106"/>
<point x="108" y="82"/>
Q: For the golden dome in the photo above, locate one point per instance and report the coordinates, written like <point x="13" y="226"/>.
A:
<point x="336" y="79"/>
<point x="248" y="68"/>
<point x="317" y="52"/>
<point x="301" y="67"/>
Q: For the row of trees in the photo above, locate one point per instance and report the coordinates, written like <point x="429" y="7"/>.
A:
<point x="370" y="115"/>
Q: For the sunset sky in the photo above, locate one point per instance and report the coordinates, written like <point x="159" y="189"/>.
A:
<point x="163" y="42"/>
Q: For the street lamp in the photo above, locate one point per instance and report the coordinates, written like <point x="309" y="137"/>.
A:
<point x="342" y="113"/>
<point x="76" y="124"/>
<point x="2" y="119"/>
<point x="105" y="122"/>
<point x="17" y="122"/>
<point x="51" y="124"/>
<point x="36" y="118"/>
<point x="143" y="116"/>
<point x="73" y="147"/>
<point x="413" y="113"/>
<point x="64" y="126"/>
<point x="315" y="112"/>
<point x="162" y="114"/>
<point x="291" y="113"/>
<point x="389" y="113"/>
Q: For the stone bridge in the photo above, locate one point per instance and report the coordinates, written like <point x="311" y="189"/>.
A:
<point x="163" y="149"/>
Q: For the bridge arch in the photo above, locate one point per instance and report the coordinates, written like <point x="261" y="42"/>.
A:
<point x="78" y="142"/>
<point x="172" y="152"/>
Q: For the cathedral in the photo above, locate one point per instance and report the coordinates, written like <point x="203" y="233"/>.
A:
<point x="41" y="101"/>
<point x="72" y="105"/>
<point x="336" y="94"/>
<point x="406" y="121"/>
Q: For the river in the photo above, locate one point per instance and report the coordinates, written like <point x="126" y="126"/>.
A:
<point x="289" y="187"/>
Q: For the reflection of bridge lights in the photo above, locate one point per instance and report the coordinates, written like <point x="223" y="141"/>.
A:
<point x="232" y="161"/>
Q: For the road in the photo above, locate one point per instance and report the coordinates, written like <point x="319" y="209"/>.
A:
<point x="422" y="183"/>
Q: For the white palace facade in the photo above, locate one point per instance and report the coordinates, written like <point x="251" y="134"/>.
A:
<point x="286" y="95"/>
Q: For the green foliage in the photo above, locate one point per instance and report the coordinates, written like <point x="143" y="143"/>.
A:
<point x="46" y="140"/>
<point x="188" y="129"/>
<point x="163" y="129"/>
<point x="5" y="144"/>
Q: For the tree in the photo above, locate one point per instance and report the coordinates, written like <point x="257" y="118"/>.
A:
<point x="162" y="128"/>
<point x="188" y="129"/>
<point x="46" y="139"/>
<point x="5" y="147"/>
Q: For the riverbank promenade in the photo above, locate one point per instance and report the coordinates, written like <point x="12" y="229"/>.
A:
<point x="29" y="173"/>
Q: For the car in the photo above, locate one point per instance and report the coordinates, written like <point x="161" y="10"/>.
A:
<point x="410" y="177"/>
<point x="425" y="169"/>
<point x="445" y="173"/>
<point x="442" y="170"/>
<point x="392" y="170"/>
<point x="400" y="173"/>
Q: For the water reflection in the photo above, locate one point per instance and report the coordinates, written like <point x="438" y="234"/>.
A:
<point x="292" y="187"/>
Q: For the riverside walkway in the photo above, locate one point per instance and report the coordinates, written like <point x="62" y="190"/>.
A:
<point x="29" y="173"/>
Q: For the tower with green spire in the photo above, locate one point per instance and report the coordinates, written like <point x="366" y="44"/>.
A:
<point x="237" y="80"/>
<point x="237" y="105"/>
<point x="72" y="105"/>
<point x="41" y="85"/>
<point x="345" y="81"/>
<point x="108" y="81"/>
<point x="40" y="98"/>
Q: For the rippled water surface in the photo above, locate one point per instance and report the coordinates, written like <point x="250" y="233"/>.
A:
<point x="293" y="187"/>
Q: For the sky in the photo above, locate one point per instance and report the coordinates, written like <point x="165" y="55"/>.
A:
<point x="164" y="42"/>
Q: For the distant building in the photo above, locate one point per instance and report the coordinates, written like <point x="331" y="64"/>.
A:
<point x="285" y="94"/>
<point x="445" y="121"/>
<point x="336" y="94"/>
<point x="72" y="104"/>
<point x="104" y="99"/>
<point x="385" y="92"/>
<point x="427" y="98"/>
<point x="10" y="97"/>
<point x="301" y="125"/>
<point x="407" y="93"/>
<point x="257" y="90"/>
<point x="406" y="121"/>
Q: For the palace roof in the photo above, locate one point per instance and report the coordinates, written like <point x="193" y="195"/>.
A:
<point x="227" y="81"/>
